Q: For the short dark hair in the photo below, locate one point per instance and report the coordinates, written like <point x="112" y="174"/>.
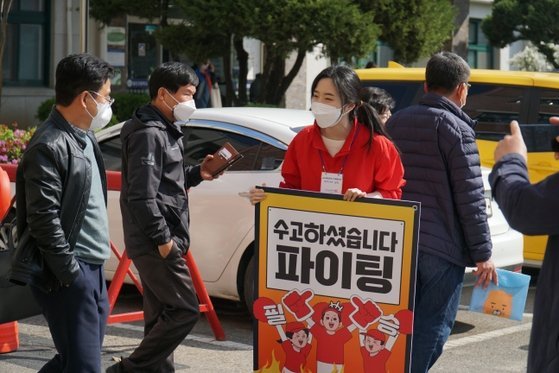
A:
<point x="171" y="76"/>
<point x="378" y="98"/>
<point x="77" y="73"/>
<point x="445" y="71"/>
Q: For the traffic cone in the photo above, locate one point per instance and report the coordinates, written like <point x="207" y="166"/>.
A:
<point x="9" y="337"/>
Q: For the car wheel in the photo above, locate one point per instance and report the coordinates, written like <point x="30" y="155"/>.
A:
<point x="248" y="284"/>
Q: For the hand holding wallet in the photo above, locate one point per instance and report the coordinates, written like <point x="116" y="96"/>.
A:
<point x="222" y="159"/>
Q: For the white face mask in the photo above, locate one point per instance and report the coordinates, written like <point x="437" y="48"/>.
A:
<point x="326" y="115"/>
<point x="183" y="110"/>
<point x="103" y="116"/>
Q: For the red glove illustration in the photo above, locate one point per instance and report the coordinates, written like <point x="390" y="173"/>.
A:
<point x="266" y="311"/>
<point x="405" y="317"/>
<point x="298" y="304"/>
<point x="366" y="312"/>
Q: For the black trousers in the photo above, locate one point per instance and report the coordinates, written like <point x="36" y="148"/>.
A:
<point x="171" y="310"/>
<point x="77" y="317"/>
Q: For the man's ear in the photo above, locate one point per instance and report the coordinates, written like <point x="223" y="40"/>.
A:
<point x="82" y="97"/>
<point x="161" y="93"/>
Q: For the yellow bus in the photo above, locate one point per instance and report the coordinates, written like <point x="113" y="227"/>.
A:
<point x="494" y="99"/>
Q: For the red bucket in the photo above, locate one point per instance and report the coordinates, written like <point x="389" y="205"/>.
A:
<point x="9" y="337"/>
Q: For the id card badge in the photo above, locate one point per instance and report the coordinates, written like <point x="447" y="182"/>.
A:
<point x="331" y="183"/>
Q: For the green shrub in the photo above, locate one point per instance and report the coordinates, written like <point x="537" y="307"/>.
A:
<point x="44" y="109"/>
<point x="126" y="103"/>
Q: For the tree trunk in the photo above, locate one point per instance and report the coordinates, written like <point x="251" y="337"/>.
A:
<point x="242" y="58"/>
<point x="6" y="6"/>
<point x="274" y="80"/>
<point x="461" y="28"/>
<point x="288" y="79"/>
<point x="274" y="72"/>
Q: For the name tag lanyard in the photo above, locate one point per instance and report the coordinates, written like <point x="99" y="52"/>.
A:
<point x="331" y="182"/>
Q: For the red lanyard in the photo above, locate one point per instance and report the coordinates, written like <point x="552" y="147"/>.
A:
<point x="347" y="155"/>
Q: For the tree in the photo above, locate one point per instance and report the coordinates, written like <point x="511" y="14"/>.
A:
<point x="412" y="28"/>
<point x="106" y="10"/>
<point x="343" y="28"/>
<point x="211" y="28"/>
<point x="284" y="27"/>
<point x="5" y="7"/>
<point x="292" y="26"/>
<point x="205" y="31"/>
<point x="534" y="20"/>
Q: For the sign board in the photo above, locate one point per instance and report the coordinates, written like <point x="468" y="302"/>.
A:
<point x="335" y="284"/>
<point x="116" y="45"/>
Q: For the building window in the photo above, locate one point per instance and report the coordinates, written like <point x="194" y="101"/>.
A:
<point x="480" y="52"/>
<point x="26" y="53"/>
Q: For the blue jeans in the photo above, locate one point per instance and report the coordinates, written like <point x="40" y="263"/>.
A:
<point x="438" y="288"/>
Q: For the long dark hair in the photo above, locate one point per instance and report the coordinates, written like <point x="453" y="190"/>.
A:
<point x="348" y="86"/>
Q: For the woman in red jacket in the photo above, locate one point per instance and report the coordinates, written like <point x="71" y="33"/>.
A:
<point x="346" y="150"/>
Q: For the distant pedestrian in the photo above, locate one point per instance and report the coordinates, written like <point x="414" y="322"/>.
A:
<point x="203" y="94"/>
<point x="255" y="88"/>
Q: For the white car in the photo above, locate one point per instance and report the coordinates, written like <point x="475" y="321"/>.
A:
<point x="222" y="219"/>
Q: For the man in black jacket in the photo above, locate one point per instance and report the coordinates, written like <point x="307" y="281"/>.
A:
<point x="442" y="169"/>
<point x="532" y="209"/>
<point x="154" y="206"/>
<point x="61" y="203"/>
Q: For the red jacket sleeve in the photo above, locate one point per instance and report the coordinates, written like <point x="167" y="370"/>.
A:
<point x="389" y="177"/>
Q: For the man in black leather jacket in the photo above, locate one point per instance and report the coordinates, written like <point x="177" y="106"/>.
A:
<point x="154" y="206"/>
<point x="61" y="207"/>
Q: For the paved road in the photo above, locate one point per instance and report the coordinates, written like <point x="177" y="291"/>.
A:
<point x="479" y="343"/>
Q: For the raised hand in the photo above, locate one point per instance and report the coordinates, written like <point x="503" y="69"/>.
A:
<point x="366" y="312"/>
<point x="298" y="304"/>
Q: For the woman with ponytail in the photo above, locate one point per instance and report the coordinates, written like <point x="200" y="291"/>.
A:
<point x="346" y="150"/>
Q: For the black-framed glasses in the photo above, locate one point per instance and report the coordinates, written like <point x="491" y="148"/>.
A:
<point x="108" y="99"/>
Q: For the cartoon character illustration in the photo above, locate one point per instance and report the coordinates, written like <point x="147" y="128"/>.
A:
<point x="498" y="303"/>
<point x="377" y="343"/>
<point x="296" y="343"/>
<point x="328" y="330"/>
<point x="295" y="340"/>
<point x="375" y="351"/>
